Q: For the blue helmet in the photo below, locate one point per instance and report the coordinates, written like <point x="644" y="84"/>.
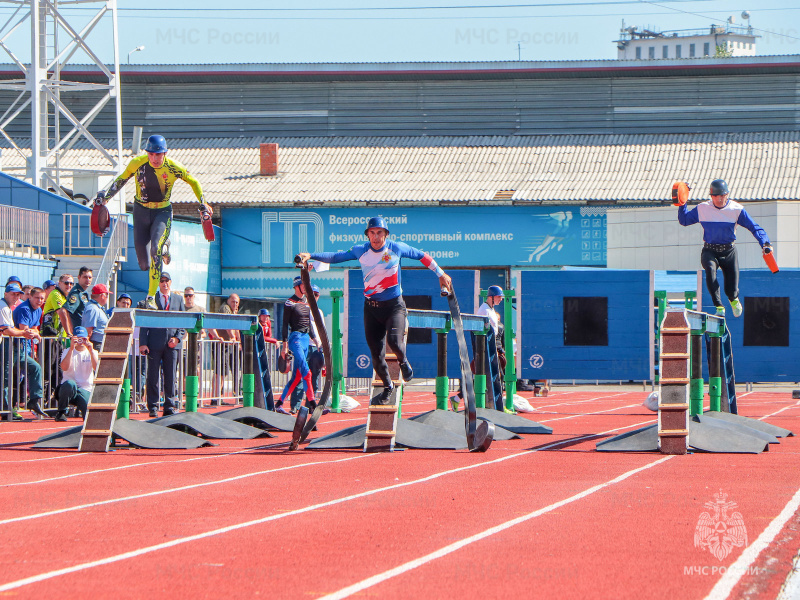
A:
<point x="315" y="288"/>
<point x="377" y="222"/>
<point x="156" y="143"/>
<point x="298" y="282"/>
<point x="494" y="290"/>
<point x="718" y="187"/>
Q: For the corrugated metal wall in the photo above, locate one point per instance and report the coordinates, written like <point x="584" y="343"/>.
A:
<point x="602" y="105"/>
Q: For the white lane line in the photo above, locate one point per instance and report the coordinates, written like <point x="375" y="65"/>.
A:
<point x="29" y="430"/>
<point x="589" y="414"/>
<point x="27" y="460"/>
<point x="148" y="549"/>
<point x="177" y="489"/>
<point x="418" y="562"/>
<point x="154" y="462"/>
<point x="728" y="581"/>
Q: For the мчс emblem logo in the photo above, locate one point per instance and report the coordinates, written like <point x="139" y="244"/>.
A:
<point x="720" y="530"/>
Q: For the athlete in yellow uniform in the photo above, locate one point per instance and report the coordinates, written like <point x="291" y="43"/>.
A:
<point x="155" y="174"/>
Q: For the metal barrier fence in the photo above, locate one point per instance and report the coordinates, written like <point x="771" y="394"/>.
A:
<point x="21" y="228"/>
<point x="117" y="249"/>
<point x="219" y="370"/>
<point x="22" y="371"/>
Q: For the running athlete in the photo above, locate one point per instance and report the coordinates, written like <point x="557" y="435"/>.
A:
<point x="719" y="218"/>
<point x="152" y="211"/>
<point x="384" y="308"/>
<point x="297" y="318"/>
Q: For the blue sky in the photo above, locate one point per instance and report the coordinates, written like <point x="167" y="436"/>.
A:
<point x="198" y="31"/>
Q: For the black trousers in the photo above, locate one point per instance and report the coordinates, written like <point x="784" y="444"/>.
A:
<point x="385" y="323"/>
<point x="167" y="359"/>
<point x="728" y="262"/>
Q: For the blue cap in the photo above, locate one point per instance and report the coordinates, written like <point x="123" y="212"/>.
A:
<point x="14" y="278"/>
<point x="121" y="296"/>
<point x="13" y="287"/>
<point x="314" y="288"/>
<point x="48" y="283"/>
<point x="80" y="332"/>
<point x="263" y="311"/>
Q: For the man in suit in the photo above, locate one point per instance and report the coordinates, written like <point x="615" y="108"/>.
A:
<point x="162" y="347"/>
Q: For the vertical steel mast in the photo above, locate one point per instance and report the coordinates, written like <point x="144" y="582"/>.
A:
<point x="53" y="103"/>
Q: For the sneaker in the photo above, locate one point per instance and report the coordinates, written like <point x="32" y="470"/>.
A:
<point x="150" y="303"/>
<point x="720" y="311"/>
<point x="312" y="406"/>
<point x="15" y="416"/>
<point x="407" y="371"/>
<point x="165" y="255"/>
<point x="454" y="402"/>
<point x="279" y="408"/>
<point x="737" y="307"/>
<point x="153" y="413"/>
<point x="385" y="397"/>
<point x="61" y="416"/>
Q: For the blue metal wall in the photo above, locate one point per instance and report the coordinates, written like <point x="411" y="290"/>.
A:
<point x="628" y="355"/>
<point x="421" y="356"/>
<point x="763" y="363"/>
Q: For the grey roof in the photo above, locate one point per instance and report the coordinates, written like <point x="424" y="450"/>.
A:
<point x="419" y="170"/>
<point x="436" y="69"/>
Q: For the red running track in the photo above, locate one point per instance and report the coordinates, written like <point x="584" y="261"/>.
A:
<point x="545" y="516"/>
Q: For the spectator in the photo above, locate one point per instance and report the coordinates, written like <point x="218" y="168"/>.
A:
<point x="124" y="301"/>
<point x="56" y="320"/>
<point x="228" y="352"/>
<point x="14" y="279"/>
<point x="162" y="347"/>
<point x="7" y="328"/>
<point x="78" y="297"/>
<point x="188" y="301"/>
<point x="95" y="317"/>
<point x="27" y="317"/>
<point x="48" y="286"/>
<point x="78" y="362"/>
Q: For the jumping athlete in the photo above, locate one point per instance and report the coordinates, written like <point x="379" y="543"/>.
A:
<point x="384" y="308"/>
<point x="152" y="211"/>
<point x="719" y="218"/>
<point x="297" y="318"/>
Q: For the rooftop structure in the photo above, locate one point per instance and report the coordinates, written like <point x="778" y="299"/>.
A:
<point x="715" y="41"/>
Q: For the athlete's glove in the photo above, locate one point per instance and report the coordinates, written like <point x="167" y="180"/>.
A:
<point x="680" y="193"/>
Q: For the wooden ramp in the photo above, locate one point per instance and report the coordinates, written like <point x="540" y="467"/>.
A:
<point x="382" y="418"/>
<point x="101" y="413"/>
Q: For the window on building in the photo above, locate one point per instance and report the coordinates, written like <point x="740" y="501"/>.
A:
<point x="706" y="49"/>
<point x="639" y="52"/>
<point x="691" y="50"/>
<point x="678" y="51"/>
<point x="664" y="51"/>
<point x="651" y="52"/>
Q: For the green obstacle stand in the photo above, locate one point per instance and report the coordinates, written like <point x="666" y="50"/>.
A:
<point x="124" y="406"/>
<point x="336" y="352"/>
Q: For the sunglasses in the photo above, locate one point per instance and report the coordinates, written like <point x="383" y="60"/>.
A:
<point x="70" y="282"/>
<point x="188" y="295"/>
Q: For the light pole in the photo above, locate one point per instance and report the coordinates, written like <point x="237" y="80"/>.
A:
<point x="137" y="49"/>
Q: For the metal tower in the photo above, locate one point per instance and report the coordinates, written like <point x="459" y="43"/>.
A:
<point x="55" y="127"/>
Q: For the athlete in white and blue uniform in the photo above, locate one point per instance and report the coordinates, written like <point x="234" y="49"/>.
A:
<point x="719" y="218"/>
<point x="384" y="308"/>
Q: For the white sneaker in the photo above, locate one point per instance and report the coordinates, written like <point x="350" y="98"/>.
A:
<point x="150" y="303"/>
<point x="737" y="307"/>
<point x="720" y="311"/>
